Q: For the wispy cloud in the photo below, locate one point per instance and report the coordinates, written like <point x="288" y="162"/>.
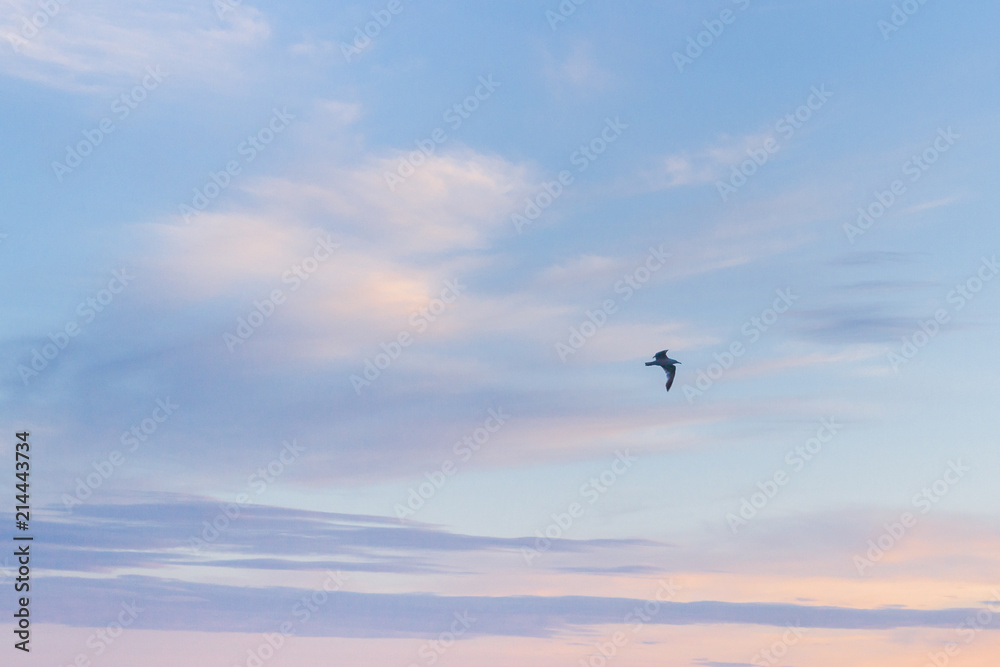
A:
<point x="102" y="45"/>
<point x="350" y="614"/>
<point x="694" y="167"/>
<point x="578" y="69"/>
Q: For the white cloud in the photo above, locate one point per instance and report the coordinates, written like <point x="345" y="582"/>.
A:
<point x="929" y="205"/>
<point x="578" y="69"/>
<point x="851" y="356"/>
<point x="397" y="249"/>
<point x="98" y="45"/>
<point x="455" y="201"/>
<point x="687" y="167"/>
<point x="313" y="47"/>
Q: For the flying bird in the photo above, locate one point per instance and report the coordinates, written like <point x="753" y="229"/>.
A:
<point x="667" y="364"/>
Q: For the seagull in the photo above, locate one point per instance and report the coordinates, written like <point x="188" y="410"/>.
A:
<point x="667" y="364"/>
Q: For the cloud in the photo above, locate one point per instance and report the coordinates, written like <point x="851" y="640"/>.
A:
<point x="587" y="269"/>
<point x="852" y="324"/>
<point x="743" y="233"/>
<point x="621" y="569"/>
<point x="350" y="614"/>
<point x="178" y="533"/>
<point x="869" y="286"/>
<point x="579" y="69"/>
<point x="929" y="205"/>
<point x="849" y="354"/>
<point x="397" y="252"/>
<point x="455" y="201"/>
<point x="106" y="44"/>
<point x="689" y="168"/>
<point x="310" y="46"/>
<point x="877" y="257"/>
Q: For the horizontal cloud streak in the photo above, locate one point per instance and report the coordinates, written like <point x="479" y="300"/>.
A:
<point x="156" y="535"/>
<point x="173" y="605"/>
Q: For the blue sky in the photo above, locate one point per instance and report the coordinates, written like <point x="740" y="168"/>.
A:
<point x="267" y="120"/>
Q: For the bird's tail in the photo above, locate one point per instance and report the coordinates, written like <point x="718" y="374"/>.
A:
<point x="650" y="363"/>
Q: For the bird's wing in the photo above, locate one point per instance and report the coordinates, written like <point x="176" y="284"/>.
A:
<point x="671" y="372"/>
<point x="662" y="354"/>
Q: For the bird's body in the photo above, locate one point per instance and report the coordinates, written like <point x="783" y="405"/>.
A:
<point x="667" y="364"/>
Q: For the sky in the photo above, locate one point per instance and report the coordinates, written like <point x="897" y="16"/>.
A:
<point x="327" y="323"/>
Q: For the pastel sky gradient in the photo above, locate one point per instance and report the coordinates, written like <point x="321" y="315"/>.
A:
<point x="378" y="310"/>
